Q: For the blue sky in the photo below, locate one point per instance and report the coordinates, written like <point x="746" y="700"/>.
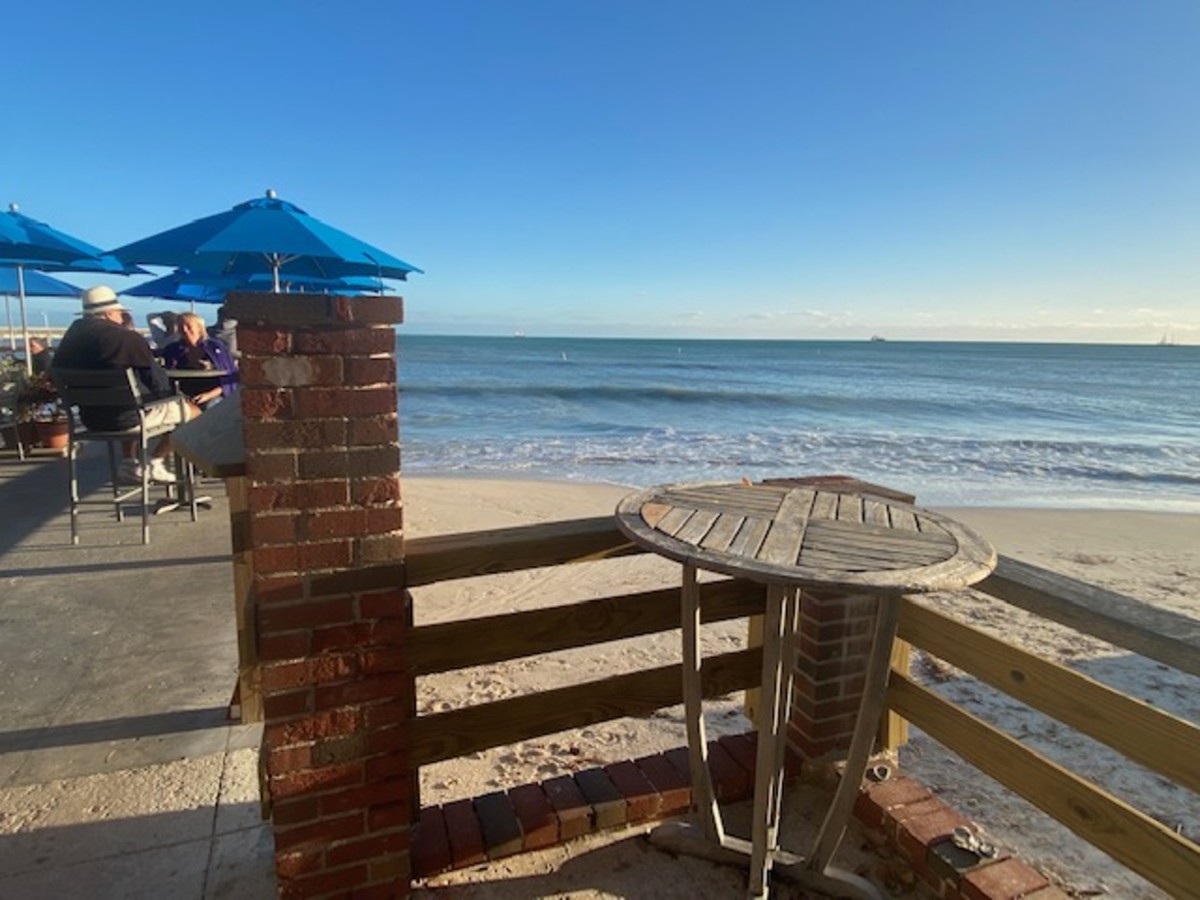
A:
<point x="940" y="170"/>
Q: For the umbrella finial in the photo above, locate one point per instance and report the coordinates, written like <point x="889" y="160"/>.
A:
<point x="12" y="207"/>
<point x="271" y="195"/>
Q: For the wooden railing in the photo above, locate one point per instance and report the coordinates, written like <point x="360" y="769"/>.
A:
<point x="1161" y="742"/>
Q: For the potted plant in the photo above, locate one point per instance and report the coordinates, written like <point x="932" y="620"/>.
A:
<point x="37" y="402"/>
<point x="12" y="378"/>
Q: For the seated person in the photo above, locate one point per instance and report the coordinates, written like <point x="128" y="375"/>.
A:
<point x="196" y="350"/>
<point x="164" y="329"/>
<point x="40" y="355"/>
<point x="99" y="341"/>
<point x="225" y="331"/>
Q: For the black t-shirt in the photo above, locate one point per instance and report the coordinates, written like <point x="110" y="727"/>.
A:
<point x="94" y="342"/>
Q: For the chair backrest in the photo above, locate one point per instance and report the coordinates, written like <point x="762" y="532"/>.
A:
<point x="97" y="387"/>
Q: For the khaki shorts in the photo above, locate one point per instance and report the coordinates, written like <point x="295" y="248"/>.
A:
<point x="166" y="412"/>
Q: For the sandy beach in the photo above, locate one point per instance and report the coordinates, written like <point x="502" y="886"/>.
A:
<point x="1154" y="557"/>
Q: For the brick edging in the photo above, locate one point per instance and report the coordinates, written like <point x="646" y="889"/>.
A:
<point x="914" y="824"/>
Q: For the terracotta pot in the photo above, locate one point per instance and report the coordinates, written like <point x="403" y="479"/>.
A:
<point x="53" y="435"/>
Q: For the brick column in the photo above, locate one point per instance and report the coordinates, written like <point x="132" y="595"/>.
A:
<point x="329" y="606"/>
<point x="830" y="666"/>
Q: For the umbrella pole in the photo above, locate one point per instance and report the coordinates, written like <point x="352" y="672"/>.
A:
<point x="12" y="338"/>
<point x="24" y="320"/>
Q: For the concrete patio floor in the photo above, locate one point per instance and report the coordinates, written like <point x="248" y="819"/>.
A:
<point x="120" y="774"/>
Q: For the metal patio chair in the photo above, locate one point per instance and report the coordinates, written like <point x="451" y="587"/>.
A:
<point x="118" y="388"/>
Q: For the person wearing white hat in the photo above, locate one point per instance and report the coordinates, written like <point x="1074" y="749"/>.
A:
<point x="99" y="340"/>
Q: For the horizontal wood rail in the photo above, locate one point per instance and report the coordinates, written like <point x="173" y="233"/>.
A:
<point x="1157" y="634"/>
<point x="1157" y="740"/>
<point x="450" y="734"/>
<point x="1131" y="837"/>
<point x="456" y="645"/>
<point x="470" y="553"/>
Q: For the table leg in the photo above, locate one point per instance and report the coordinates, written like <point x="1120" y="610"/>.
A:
<point x="702" y="788"/>
<point x="815" y="871"/>
<point x="767" y="783"/>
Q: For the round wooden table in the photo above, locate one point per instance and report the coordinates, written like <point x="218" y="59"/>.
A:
<point x="792" y="538"/>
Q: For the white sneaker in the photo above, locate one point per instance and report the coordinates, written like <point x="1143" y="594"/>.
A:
<point x="130" y="472"/>
<point x="160" y="474"/>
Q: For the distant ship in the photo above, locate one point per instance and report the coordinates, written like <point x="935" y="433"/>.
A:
<point x="518" y="334"/>
<point x="1166" y="341"/>
<point x="877" y="338"/>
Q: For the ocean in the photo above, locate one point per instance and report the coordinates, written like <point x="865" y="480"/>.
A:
<point x="956" y="424"/>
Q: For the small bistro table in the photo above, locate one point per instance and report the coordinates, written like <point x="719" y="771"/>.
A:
<point x="792" y="538"/>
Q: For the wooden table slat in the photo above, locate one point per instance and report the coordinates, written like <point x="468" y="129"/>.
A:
<point x="721" y="535"/>
<point x="782" y="546"/>
<point x="697" y="526"/>
<point x="674" y="520"/>
<point x="824" y="506"/>
<point x="749" y="538"/>
<point x="849" y="508"/>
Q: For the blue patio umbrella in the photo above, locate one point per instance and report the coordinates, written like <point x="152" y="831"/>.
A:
<point x="36" y="285"/>
<point x="201" y="287"/>
<point x="265" y="236"/>
<point x="26" y="243"/>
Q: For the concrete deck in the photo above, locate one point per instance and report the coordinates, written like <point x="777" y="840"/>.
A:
<point x="120" y="774"/>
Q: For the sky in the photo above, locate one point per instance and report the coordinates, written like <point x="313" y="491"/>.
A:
<point x="956" y="170"/>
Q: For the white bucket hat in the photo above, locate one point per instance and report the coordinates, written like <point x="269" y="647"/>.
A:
<point x="100" y="300"/>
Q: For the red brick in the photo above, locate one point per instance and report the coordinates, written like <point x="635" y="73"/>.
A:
<point x="367" y="689"/>
<point x="273" y="529"/>
<point x="312" y="727"/>
<point x="335" y="523"/>
<point x="315" y="557"/>
<point x="366" y="848"/>
<point x="915" y="834"/>
<point x="277" y="588"/>
<point x="345" y="402"/>
<point x="285" y="676"/>
<point x="288" y="645"/>
<point x="573" y="811"/>
<point x="338" y="882"/>
<point x="279" y="558"/>
<point x="318" y="834"/>
<point x="375" y="491"/>
<point x="324" y="464"/>
<point x="730" y="781"/>
<point x="295" y="811"/>
<point x="675" y="794"/>
<point x="363" y="341"/>
<point x="641" y="799"/>
<point x="255" y="339"/>
<point x="1005" y="880"/>
<point x="499" y="824"/>
<point x="314" y="780"/>
<point x="380" y="429"/>
<point x="311" y="614"/>
<point x="877" y="799"/>
<point x="304" y="434"/>
<point x="385" y="518"/>
<point x="389" y="815"/>
<point x="743" y="748"/>
<point x="283" y="705"/>
<point x="431" y="843"/>
<point x="466" y="838"/>
<point x="298" y="862"/>
<point x="680" y="758"/>
<point x="370" y="370"/>
<point x="266" y="403"/>
<point x="384" y="604"/>
<point x="539" y="825"/>
<point x="262" y="467"/>
<point x="608" y="804"/>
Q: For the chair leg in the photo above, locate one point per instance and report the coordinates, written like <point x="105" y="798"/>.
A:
<point x="73" y="486"/>
<point x="145" y="457"/>
<point x="114" y="479"/>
